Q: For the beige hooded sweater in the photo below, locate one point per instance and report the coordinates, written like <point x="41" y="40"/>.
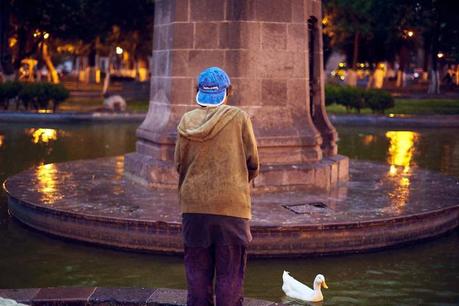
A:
<point x="216" y="157"/>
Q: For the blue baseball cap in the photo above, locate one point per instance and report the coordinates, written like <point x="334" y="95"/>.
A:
<point x="212" y="85"/>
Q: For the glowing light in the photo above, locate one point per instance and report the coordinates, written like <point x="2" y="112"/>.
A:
<point x="45" y="35"/>
<point x="362" y="65"/>
<point x="341" y="65"/>
<point x="410" y="33"/>
<point x="36" y="33"/>
<point x="43" y="135"/>
<point x="416" y="75"/>
<point x="325" y="20"/>
<point x="368" y="139"/>
<point x="44" y="111"/>
<point x="400" y="156"/>
<point x="440" y="54"/>
<point x="12" y="42"/>
<point x="119" y="50"/>
<point x="2" y="140"/>
<point x="47" y="183"/>
<point x="391" y="115"/>
<point x="401" y="150"/>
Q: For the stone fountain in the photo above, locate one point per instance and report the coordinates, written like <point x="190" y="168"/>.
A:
<point x="304" y="202"/>
<point x="272" y="51"/>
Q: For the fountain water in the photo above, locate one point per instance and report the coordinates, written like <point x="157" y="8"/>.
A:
<point x="304" y="201"/>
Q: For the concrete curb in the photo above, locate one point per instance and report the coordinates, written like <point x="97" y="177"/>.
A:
<point x="444" y="121"/>
<point x="71" y="117"/>
<point x="106" y="296"/>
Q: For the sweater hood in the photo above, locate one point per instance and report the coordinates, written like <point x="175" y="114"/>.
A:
<point x="205" y="123"/>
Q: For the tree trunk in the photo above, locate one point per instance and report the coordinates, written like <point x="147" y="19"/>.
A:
<point x="355" y="55"/>
<point x="49" y="64"/>
<point x="107" y="73"/>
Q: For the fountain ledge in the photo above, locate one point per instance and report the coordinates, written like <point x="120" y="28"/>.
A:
<point x="92" y="201"/>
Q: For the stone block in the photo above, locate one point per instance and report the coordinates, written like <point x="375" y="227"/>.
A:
<point x="179" y="62"/>
<point x="120" y="296"/>
<point x="274" y="92"/>
<point x="297" y="95"/>
<point x="182" y="8"/>
<point x="240" y="10"/>
<point x="274" y="36"/>
<point x="182" y="35"/>
<point x="343" y="169"/>
<point x="334" y="174"/>
<point x="161" y="37"/>
<point x="161" y="60"/>
<point x="198" y="60"/>
<point x="246" y="91"/>
<point x="19" y="295"/>
<point x="207" y="10"/>
<point x="274" y="10"/>
<point x="298" y="12"/>
<point x="296" y="37"/>
<point x="181" y="91"/>
<point x="62" y="296"/>
<point x="164" y="12"/>
<point x="241" y="63"/>
<point x="322" y="177"/>
<point x="206" y="35"/>
<point x="239" y="35"/>
<point x="280" y="64"/>
<point x="167" y="297"/>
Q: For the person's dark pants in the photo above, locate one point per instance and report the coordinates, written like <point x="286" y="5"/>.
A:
<point x="228" y="262"/>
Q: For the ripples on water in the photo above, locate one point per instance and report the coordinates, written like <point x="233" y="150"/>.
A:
<point x="421" y="274"/>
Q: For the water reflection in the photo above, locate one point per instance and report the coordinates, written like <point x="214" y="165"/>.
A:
<point x="400" y="155"/>
<point x="47" y="183"/>
<point x="401" y="149"/>
<point x="368" y="139"/>
<point x="42" y="135"/>
<point x="2" y="140"/>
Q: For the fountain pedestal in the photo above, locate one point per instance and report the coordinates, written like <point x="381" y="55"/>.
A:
<point x="272" y="51"/>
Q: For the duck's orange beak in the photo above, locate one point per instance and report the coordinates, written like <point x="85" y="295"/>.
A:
<point x="324" y="284"/>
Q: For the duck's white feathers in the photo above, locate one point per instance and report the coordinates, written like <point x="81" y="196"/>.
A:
<point x="297" y="290"/>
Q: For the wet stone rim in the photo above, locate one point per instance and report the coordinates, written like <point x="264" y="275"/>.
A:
<point x="135" y="217"/>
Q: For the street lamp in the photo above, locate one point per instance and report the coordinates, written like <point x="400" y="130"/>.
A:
<point x="119" y="50"/>
<point x="440" y="54"/>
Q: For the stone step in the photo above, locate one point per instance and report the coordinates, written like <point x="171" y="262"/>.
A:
<point x="77" y="296"/>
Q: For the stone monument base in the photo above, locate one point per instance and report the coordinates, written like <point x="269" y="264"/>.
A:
<point x="323" y="175"/>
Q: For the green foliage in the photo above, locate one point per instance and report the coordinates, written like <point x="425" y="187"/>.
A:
<point x="378" y="100"/>
<point x="358" y="98"/>
<point x="9" y="91"/>
<point x="39" y="95"/>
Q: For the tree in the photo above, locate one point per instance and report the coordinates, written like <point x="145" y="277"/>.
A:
<point x="41" y="25"/>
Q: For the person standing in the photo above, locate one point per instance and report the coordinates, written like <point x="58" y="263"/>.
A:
<point x="216" y="157"/>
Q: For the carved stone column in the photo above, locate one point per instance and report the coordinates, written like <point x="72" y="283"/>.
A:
<point x="263" y="46"/>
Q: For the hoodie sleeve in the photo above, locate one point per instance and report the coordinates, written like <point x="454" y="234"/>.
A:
<point x="178" y="153"/>
<point x="251" y="150"/>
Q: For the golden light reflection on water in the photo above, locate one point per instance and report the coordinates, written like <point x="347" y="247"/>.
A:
<point x="42" y="135"/>
<point x="119" y="171"/>
<point x="401" y="149"/>
<point x="47" y="183"/>
<point x="400" y="155"/>
<point x="2" y="140"/>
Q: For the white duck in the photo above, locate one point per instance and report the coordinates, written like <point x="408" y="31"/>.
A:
<point x="294" y="289"/>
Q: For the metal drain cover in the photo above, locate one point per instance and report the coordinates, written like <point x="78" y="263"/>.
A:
<point x="305" y="208"/>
